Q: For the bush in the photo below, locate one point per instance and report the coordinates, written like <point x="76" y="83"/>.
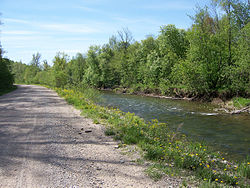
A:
<point x="6" y="78"/>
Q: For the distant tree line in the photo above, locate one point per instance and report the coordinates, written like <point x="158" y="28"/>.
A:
<point x="211" y="58"/>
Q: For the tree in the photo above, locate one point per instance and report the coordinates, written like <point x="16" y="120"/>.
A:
<point x="173" y="40"/>
<point x="36" y="60"/>
<point x="92" y="75"/>
<point x="125" y="38"/>
<point x="18" y="70"/>
<point x="76" y="69"/>
<point x="6" y="78"/>
<point x="59" y="70"/>
<point x="241" y="14"/>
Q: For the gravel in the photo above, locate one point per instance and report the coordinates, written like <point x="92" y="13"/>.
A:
<point x="41" y="146"/>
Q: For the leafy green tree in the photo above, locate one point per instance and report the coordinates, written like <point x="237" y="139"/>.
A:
<point x="207" y="56"/>
<point x="36" y="58"/>
<point x="59" y="70"/>
<point x="173" y="40"/>
<point x="18" y="70"/>
<point x="6" y="78"/>
<point x="108" y="72"/>
<point x="76" y="69"/>
<point x="92" y="74"/>
<point x="239" y="74"/>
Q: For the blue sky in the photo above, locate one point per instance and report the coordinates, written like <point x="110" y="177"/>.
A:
<point x="71" y="26"/>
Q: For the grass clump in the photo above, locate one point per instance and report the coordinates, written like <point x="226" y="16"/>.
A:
<point x="173" y="151"/>
<point x="240" y="102"/>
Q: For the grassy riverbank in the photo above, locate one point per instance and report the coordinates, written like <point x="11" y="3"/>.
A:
<point x="7" y="90"/>
<point x="172" y="153"/>
<point x="240" y="102"/>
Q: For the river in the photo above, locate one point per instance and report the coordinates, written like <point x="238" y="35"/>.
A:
<point x="224" y="132"/>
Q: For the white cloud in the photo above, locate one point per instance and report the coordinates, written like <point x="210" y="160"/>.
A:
<point x="18" y="38"/>
<point x="88" y="9"/>
<point x="15" y="20"/>
<point x="19" y="32"/>
<point x="174" y="5"/>
<point x="70" y="28"/>
<point x="138" y="20"/>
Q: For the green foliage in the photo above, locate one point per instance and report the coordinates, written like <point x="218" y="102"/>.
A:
<point x="6" y="78"/>
<point x="173" y="40"/>
<point x="239" y="73"/>
<point x="18" y="70"/>
<point x="75" y="70"/>
<point x="93" y="73"/>
<point x="240" y="102"/>
<point x="7" y="90"/>
<point x="30" y="74"/>
<point x="59" y="70"/>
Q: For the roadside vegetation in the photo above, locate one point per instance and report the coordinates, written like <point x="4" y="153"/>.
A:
<point x="6" y="77"/>
<point x="170" y="152"/>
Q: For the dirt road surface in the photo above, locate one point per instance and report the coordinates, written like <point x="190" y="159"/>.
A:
<point x="43" y="144"/>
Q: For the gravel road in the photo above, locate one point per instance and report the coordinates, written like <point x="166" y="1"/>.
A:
<point x="43" y="144"/>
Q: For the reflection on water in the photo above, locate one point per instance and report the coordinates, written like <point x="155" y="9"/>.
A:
<point x="230" y="133"/>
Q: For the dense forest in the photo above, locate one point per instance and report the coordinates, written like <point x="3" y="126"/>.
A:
<point x="210" y="59"/>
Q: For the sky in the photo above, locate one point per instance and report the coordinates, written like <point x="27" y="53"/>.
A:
<point x="71" y="26"/>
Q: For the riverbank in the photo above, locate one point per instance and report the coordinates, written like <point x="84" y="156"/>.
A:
<point x="170" y="153"/>
<point x="235" y="105"/>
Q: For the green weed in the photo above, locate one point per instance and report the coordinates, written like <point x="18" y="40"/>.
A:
<point x="240" y="102"/>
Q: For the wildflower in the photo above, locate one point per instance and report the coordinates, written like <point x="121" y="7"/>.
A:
<point x="235" y="177"/>
<point x="222" y="158"/>
<point x="216" y="179"/>
<point x="237" y="183"/>
<point x="196" y="154"/>
<point x="205" y="179"/>
<point x="212" y="161"/>
<point x="204" y="149"/>
<point x="177" y="147"/>
<point x="214" y="171"/>
<point x="248" y="163"/>
<point x="200" y="164"/>
<point x="208" y="166"/>
<point x="225" y="169"/>
<point x="200" y="146"/>
<point x="170" y="143"/>
<point x="221" y="181"/>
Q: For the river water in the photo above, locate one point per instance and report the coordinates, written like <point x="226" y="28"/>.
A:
<point x="225" y="132"/>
